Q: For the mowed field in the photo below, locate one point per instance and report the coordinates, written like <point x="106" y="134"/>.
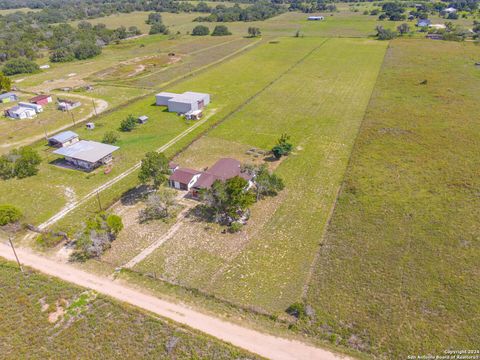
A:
<point x="400" y="264"/>
<point x="320" y="102"/>
<point x="45" y="318"/>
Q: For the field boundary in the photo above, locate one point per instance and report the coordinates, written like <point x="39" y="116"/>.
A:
<point x="316" y="258"/>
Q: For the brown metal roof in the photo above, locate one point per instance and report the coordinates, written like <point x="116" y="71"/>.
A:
<point x="39" y="98"/>
<point x="225" y="168"/>
<point x="183" y="175"/>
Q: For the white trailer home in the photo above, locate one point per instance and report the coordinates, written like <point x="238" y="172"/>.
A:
<point x="38" y="108"/>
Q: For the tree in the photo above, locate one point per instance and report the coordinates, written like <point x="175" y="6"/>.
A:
<point x="27" y="162"/>
<point x="114" y="223"/>
<point x="9" y="214"/>
<point x="154" y="169"/>
<point x="228" y="201"/>
<point x="86" y="50"/>
<point x="20" y="163"/>
<point x="62" y="55"/>
<point x="221" y="30"/>
<point x="200" y="30"/>
<point x="110" y="137"/>
<point x="128" y="124"/>
<point x="254" y="31"/>
<point x="385" y="34"/>
<point x="5" y="83"/>
<point x="267" y="183"/>
<point x="158" y="29"/>
<point x="159" y="205"/>
<point x="283" y="147"/>
<point x="20" y="66"/>
<point x="403" y="29"/>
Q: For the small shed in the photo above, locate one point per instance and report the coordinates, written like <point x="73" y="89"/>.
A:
<point x="41" y="99"/>
<point x="142" y="119"/>
<point x="38" y="108"/>
<point x="161" y="99"/>
<point x="8" y="97"/>
<point x="63" y="139"/>
<point x="90" y="126"/>
<point x="315" y="18"/>
<point x="67" y="105"/>
<point x="424" y="23"/>
<point x="194" y="115"/>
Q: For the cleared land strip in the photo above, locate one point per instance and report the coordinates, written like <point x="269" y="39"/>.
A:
<point x="265" y="345"/>
<point x="67" y="209"/>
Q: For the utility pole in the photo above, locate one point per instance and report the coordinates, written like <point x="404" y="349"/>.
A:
<point x="45" y="131"/>
<point x="99" y="202"/>
<point x="94" y="107"/>
<point x="73" y="118"/>
<point x="15" y="253"/>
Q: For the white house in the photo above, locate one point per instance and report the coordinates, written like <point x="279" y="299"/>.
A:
<point x="67" y="105"/>
<point x="63" y="139"/>
<point x="38" y="108"/>
<point x="450" y="10"/>
<point x="20" y="112"/>
<point x="87" y="155"/>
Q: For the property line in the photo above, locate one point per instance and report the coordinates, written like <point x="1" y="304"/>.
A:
<point x="316" y="258"/>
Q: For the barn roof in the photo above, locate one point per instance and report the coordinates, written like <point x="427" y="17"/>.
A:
<point x="64" y="136"/>
<point x="39" y="98"/>
<point x="184" y="175"/>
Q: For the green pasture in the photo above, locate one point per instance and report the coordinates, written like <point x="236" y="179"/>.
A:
<point x="398" y="270"/>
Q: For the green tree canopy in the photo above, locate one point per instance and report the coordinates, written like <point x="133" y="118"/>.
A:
<point x="128" y="124"/>
<point x="20" y="66"/>
<point x="9" y="214"/>
<point x="200" y="30"/>
<point x="154" y="169"/>
<point x="5" y="83"/>
<point x="221" y="30"/>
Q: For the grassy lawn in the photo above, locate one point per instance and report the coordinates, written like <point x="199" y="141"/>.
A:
<point x="399" y="266"/>
<point x="266" y="265"/>
<point x="46" y="318"/>
<point x="45" y="193"/>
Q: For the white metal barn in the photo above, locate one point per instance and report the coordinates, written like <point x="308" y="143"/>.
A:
<point x="163" y="97"/>
<point x="188" y="101"/>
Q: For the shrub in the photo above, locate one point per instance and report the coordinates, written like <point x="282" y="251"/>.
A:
<point x="20" y="66"/>
<point x="221" y="30"/>
<point x="110" y="137"/>
<point x="86" y="50"/>
<point x="9" y="214"/>
<point x="62" y="55"/>
<point x="114" y="223"/>
<point x="297" y="310"/>
<point x="128" y="124"/>
<point x="200" y="30"/>
<point x="20" y="163"/>
<point x="48" y="240"/>
<point x="235" y="227"/>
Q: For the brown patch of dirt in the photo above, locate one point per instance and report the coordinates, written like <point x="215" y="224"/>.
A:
<point x="59" y="312"/>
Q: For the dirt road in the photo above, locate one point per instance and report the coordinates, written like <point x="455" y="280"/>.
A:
<point x="265" y="345"/>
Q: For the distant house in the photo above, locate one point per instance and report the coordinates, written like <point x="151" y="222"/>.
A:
<point x="142" y="119"/>
<point x="315" y="18"/>
<point x="8" y="97"/>
<point x="20" y="112"/>
<point x="182" y="103"/>
<point x="41" y="99"/>
<point x="38" y="108"/>
<point x="450" y="10"/>
<point x="195" y="181"/>
<point x="424" y="23"/>
<point x="63" y="139"/>
<point x="434" y="36"/>
<point x="67" y="105"/>
<point x="87" y="155"/>
<point x="183" y="178"/>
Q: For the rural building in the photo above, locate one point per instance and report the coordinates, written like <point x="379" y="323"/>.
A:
<point x="37" y="108"/>
<point x="8" y="97"/>
<point x="41" y="99"/>
<point x="172" y="167"/>
<point x="424" y="23"/>
<point x="183" y="178"/>
<point x="183" y="103"/>
<point x="194" y="115"/>
<point x="315" y="18"/>
<point x="142" y="119"/>
<point x="90" y="126"/>
<point x="450" y="10"/>
<point x="20" y="112"/>
<point x="87" y="155"/>
<point x="434" y="36"/>
<point x="67" y="105"/>
<point x="161" y="99"/>
<point x="194" y="181"/>
<point x="63" y="139"/>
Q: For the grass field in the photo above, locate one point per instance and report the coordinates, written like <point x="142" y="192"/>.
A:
<point x="45" y="318"/>
<point x="266" y="266"/>
<point x="399" y="267"/>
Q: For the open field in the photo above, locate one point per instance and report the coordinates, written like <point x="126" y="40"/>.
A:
<point x="11" y="11"/>
<point x="267" y="264"/>
<point x="399" y="266"/>
<point x="44" y="318"/>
